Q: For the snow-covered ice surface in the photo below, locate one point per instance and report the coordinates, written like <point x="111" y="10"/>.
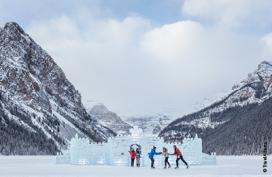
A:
<point x="45" y="166"/>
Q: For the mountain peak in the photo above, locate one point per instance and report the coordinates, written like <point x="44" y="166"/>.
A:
<point x="99" y="108"/>
<point x="265" y="65"/>
<point x="264" y="70"/>
<point x="108" y="118"/>
<point x="262" y="73"/>
<point x="14" y="28"/>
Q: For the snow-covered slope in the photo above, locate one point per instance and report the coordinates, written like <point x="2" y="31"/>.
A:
<point x="39" y="108"/>
<point x="107" y="118"/>
<point x="150" y="124"/>
<point x="246" y="99"/>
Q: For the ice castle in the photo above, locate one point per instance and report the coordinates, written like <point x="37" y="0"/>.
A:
<point x="115" y="151"/>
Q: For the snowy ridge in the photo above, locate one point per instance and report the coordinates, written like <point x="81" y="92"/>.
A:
<point x="256" y="88"/>
<point x="244" y="101"/>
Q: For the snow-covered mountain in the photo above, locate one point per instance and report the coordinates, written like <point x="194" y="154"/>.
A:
<point x="39" y="108"/>
<point x="238" y="123"/>
<point x="150" y="124"/>
<point x="107" y="118"/>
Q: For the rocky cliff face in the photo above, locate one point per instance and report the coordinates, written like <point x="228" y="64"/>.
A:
<point x="40" y="110"/>
<point x="239" y="123"/>
<point x="108" y="118"/>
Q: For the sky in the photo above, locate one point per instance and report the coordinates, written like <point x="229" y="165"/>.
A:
<point x="143" y="57"/>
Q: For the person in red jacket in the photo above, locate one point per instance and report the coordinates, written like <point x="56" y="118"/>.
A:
<point x="132" y="154"/>
<point x="177" y="152"/>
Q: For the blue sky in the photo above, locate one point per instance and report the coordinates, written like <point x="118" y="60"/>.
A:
<point x="141" y="57"/>
<point x="159" y="11"/>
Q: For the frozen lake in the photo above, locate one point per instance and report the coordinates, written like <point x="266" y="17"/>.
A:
<point x="36" y="166"/>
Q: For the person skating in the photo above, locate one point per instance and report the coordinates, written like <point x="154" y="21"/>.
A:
<point x="132" y="157"/>
<point x="166" y="157"/>
<point x="177" y="152"/>
<point x="138" y="157"/>
<point x="151" y="155"/>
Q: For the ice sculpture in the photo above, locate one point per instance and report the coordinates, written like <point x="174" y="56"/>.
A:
<point x="115" y="151"/>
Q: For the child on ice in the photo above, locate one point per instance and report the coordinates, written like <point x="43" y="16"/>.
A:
<point x="166" y="157"/>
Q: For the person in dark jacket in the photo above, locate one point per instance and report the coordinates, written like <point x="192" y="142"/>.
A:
<point x="177" y="152"/>
<point x="138" y="157"/>
<point x="132" y="154"/>
<point x="151" y="155"/>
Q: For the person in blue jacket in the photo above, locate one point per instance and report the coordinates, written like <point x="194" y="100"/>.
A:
<point x="151" y="155"/>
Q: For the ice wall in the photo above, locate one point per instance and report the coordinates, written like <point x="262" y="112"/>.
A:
<point x="115" y="151"/>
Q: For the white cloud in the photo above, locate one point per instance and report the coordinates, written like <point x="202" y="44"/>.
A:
<point x="104" y="60"/>
<point x="136" y="67"/>
<point x="205" y="54"/>
<point x="231" y="12"/>
<point x="172" y="40"/>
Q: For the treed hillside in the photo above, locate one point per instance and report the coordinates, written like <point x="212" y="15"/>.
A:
<point x="245" y="133"/>
<point x="237" y="124"/>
